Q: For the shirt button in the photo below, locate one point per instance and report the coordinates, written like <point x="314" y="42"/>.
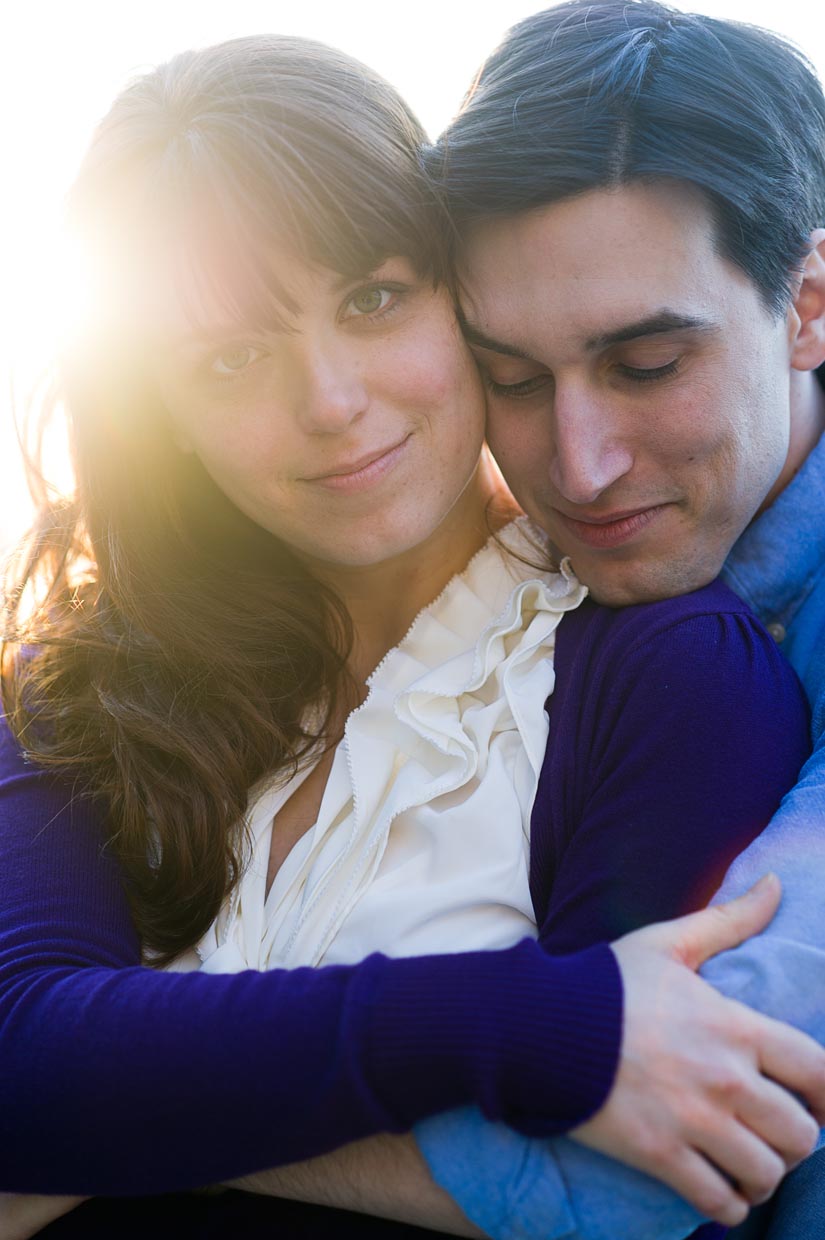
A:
<point x="777" y="632"/>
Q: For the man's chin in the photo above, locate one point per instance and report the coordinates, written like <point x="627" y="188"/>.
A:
<point x="629" y="583"/>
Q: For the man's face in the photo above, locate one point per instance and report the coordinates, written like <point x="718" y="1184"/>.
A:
<point x="638" y="385"/>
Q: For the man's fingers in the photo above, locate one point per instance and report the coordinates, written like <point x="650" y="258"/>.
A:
<point x="774" y="1115"/>
<point x="701" y="935"/>
<point x="705" y="1188"/>
<point x="755" y="1168"/>
<point x="794" y="1060"/>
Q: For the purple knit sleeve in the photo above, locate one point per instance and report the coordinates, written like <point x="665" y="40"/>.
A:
<point x="674" y="738"/>
<point x="118" y="1079"/>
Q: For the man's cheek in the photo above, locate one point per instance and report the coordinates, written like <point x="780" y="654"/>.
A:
<point x="514" y="447"/>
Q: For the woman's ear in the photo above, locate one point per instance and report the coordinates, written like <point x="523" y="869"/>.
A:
<point x="807" y="313"/>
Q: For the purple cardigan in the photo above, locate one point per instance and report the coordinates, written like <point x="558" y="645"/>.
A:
<point x="674" y="730"/>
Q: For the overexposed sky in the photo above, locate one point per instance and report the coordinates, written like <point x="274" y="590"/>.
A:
<point x="62" y="61"/>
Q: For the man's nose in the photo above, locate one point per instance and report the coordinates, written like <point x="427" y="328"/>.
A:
<point x="590" y="451"/>
<point x="328" y="388"/>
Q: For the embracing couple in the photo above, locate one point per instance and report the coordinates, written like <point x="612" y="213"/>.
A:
<point x="346" y="791"/>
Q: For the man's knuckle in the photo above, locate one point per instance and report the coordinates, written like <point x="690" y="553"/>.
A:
<point x="736" y="1212"/>
<point x="766" y="1181"/>
<point x="715" y="1199"/>
<point x="730" y="1086"/>
<point x="742" y="1028"/>
<point x="803" y="1138"/>
<point x="659" y="1150"/>
<point x="696" y="1116"/>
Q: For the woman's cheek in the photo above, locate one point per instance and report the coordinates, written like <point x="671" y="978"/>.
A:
<point x="432" y="366"/>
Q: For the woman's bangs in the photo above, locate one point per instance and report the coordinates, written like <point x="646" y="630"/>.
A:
<point x="227" y="230"/>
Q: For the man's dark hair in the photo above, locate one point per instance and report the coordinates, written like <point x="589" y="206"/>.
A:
<point x="588" y="95"/>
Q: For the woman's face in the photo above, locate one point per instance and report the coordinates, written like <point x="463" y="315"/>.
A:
<point x="350" y="430"/>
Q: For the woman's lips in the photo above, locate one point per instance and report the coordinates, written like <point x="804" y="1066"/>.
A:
<point x="604" y="533"/>
<point x="356" y="476"/>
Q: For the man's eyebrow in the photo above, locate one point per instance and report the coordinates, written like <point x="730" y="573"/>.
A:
<point x="474" y="335"/>
<point x="654" y="325"/>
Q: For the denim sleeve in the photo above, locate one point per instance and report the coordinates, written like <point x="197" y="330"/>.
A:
<point x="781" y="972"/>
<point x="515" y="1188"/>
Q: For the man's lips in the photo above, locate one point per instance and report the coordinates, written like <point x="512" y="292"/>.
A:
<point x="613" y="529"/>
<point x="364" y="470"/>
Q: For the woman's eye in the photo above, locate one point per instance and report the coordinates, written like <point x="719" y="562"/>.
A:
<point x="371" y="300"/>
<point x="234" y="360"/>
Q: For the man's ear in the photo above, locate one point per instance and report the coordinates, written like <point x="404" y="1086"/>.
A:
<point x="807" y="314"/>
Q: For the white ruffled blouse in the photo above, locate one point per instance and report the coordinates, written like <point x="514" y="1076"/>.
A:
<point x="422" y="839"/>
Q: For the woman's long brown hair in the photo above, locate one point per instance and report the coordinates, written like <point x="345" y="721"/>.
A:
<point x="160" y="648"/>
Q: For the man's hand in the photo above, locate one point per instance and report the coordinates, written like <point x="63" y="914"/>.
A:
<point x="697" y="1101"/>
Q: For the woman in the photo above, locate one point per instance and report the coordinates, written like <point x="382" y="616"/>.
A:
<point x="278" y="439"/>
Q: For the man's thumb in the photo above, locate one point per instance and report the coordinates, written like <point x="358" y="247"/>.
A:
<point x="722" y="926"/>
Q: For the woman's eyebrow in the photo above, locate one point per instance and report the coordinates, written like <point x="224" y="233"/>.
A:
<point x="344" y="279"/>
<point x="197" y="340"/>
<point x="201" y="339"/>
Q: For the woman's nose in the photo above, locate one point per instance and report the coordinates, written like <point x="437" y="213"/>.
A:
<point x="330" y="390"/>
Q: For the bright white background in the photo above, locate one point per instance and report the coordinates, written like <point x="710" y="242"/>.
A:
<point x="62" y="61"/>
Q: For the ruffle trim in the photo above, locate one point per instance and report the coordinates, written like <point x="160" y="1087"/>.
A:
<point x="477" y="660"/>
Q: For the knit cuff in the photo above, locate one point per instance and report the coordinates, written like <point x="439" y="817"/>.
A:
<point x="532" y="1039"/>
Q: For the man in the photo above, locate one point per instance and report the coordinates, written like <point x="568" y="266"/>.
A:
<point x="640" y="195"/>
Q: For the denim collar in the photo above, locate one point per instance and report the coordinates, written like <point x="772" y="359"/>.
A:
<point x="780" y="557"/>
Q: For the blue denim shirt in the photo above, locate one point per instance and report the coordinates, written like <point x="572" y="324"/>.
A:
<point x="520" y="1189"/>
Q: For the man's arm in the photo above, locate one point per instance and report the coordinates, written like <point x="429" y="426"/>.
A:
<point x="25" y="1214"/>
<point x="386" y="1176"/>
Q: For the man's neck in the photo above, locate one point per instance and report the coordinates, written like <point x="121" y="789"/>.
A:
<point x="807" y="427"/>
